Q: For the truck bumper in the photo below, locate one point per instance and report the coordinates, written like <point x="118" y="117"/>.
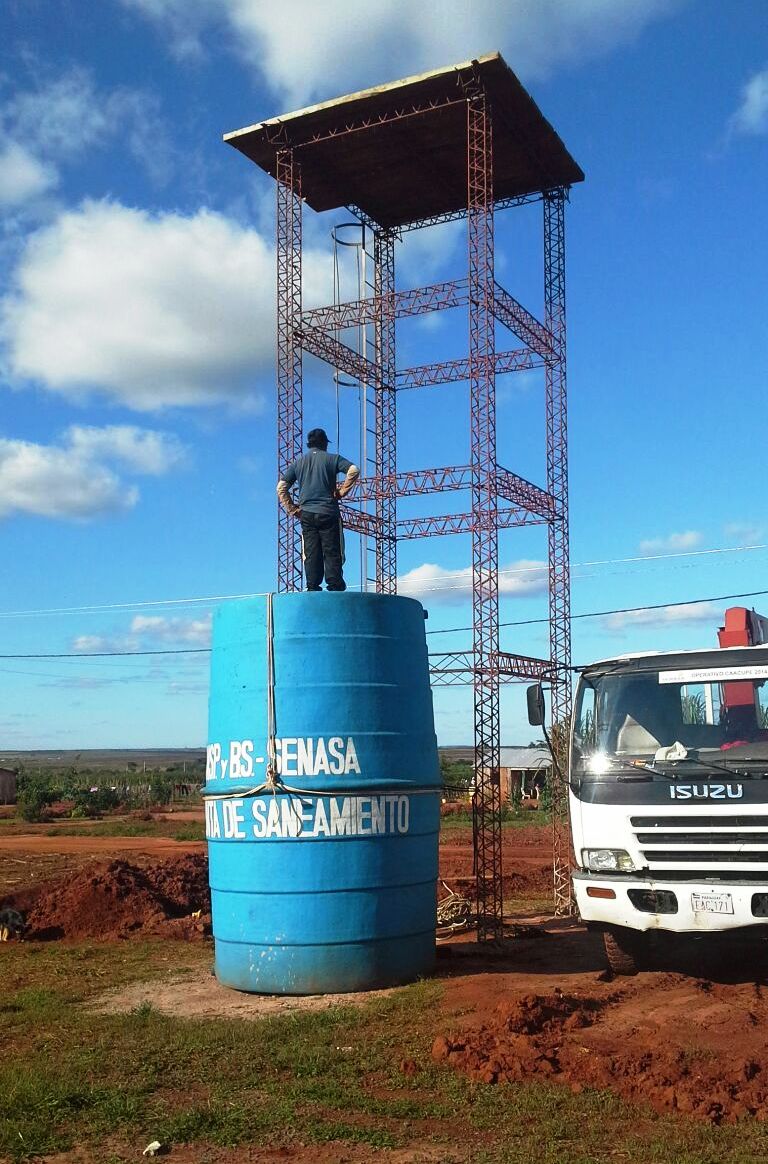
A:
<point x="631" y="909"/>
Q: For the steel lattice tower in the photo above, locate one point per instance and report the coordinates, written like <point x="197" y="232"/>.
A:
<point x="406" y="157"/>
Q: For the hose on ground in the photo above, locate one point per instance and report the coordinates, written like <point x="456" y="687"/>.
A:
<point x="454" y="912"/>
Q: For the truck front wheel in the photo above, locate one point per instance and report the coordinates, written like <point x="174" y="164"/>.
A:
<point x="622" y="951"/>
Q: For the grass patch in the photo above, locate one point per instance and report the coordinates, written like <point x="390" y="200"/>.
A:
<point x="70" y="1076"/>
<point x="525" y="905"/>
<point x="181" y="831"/>
<point x="191" y="831"/>
<point x="510" y="820"/>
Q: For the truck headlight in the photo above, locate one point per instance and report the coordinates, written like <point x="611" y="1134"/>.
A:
<point x="607" y="860"/>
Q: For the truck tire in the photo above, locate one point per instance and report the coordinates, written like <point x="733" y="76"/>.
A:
<point x="622" y="949"/>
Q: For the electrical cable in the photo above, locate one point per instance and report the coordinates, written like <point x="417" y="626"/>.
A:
<point x="604" y="613"/>
<point x="114" y="654"/>
<point x="98" y="608"/>
<point x="104" y="608"/>
<point x="541" y="567"/>
<point x="449" y="630"/>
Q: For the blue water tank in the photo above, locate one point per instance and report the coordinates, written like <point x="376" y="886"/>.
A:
<point x="326" y="882"/>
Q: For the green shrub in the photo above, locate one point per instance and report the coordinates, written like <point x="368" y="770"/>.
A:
<point x="457" y="775"/>
<point x="92" y="804"/>
<point x="32" y="800"/>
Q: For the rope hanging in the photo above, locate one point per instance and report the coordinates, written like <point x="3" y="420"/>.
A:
<point x="272" y="775"/>
<point x="272" y="782"/>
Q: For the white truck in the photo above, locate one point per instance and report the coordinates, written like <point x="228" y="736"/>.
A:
<point x="668" y="789"/>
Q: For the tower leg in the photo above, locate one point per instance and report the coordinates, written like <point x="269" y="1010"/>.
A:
<point x="386" y="415"/>
<point x="289" y="361"/>
<point x="559" y="568"/>
<point x="485" y="574"/>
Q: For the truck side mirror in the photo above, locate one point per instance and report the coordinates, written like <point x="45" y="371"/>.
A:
<point x="535" y="696"/>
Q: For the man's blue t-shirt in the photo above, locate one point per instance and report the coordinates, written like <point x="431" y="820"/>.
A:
<point x="316" y="473"/>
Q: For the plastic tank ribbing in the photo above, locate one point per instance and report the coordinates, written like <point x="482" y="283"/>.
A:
<point x="327" y="882"/>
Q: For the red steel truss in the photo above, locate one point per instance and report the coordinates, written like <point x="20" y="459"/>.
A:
<point x="403" y="303"/>
<point x="559" y="560"/>
<point x="386" y="413"/>
<point x="499" y="498"/>
<point x="485" y="506"/>
<point x="455" y="668"/>
<point x="455" y="371"/>
<point x="289" y="394"/>
<point x="429" y="527"/>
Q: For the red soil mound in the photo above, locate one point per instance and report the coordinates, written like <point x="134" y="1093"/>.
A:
<point x="116" y="899"/>
<point x="575" y="1041"/>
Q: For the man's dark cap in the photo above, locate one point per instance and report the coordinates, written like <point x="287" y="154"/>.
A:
<point x="317" y="438"/>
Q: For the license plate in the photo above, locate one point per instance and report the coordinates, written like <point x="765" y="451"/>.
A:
<point x="712" y="903"/>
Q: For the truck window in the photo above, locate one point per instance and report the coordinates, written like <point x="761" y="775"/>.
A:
<point x="585" y="730"/>
<point x="633" y="714"/>
<point x="700" y="703"/>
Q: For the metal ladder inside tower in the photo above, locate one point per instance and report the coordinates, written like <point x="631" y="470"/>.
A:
<point x="358" y="240"/>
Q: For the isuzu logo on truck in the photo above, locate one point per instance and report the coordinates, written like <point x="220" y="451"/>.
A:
<point x="706" y="791"/>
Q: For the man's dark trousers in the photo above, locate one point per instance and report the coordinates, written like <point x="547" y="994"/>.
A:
<point x="321" y="534"/>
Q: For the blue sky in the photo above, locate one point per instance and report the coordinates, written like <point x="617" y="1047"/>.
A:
<point x="137" y="332"/>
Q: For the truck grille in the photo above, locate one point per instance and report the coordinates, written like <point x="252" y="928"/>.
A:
<point x="712" y="843"/>
<point x="727" y="820"/>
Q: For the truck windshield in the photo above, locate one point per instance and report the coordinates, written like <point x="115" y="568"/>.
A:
<point x="720" y="715"/>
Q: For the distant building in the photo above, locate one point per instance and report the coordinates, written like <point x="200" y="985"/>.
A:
<point x="7" y="785"/>
<point x="526" y="769"/>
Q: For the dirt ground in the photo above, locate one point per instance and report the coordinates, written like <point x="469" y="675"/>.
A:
<point x="199" y="995"/>
<point x="687" y="1036"/>
<point x="29" y="858"/>
<point x="329" y="1153"/>
<point x="526" y="861"/>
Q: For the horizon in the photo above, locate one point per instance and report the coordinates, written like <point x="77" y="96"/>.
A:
<point x="137" y="325"/>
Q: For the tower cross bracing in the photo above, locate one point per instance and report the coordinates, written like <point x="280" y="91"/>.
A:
<point x="376" y="153"/>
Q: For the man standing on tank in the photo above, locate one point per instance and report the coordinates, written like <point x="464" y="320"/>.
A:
<point x="318" y="509"/>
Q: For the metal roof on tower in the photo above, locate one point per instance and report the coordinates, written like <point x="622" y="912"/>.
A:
<point x="398" y="152"/>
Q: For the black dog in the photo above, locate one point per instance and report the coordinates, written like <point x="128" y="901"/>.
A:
<point x="12" y="924"/>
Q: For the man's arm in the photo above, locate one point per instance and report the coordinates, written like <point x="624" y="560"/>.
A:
<point x="352" y="475"/>
<point x="284" y="493"/>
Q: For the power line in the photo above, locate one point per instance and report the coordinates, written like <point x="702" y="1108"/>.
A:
<point x="114" y="654"/>
<point x="540" y="569"/>
<point x="605" y="613"/>
<point x="448" y="631"/>
<point x="103" y="608"/>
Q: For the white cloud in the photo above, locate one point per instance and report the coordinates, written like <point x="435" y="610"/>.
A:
<point x="143" y="450"/>
<point x="50" y="482"/>
<point x="75" y="479"/>
<point x="62" y="118"/>
<point x="183" y="22"/>
<point x="194" y="632"/>
<point x="90" y="644"/>
<point x="149" y="311"/>
<point x="436" y="584"/>
<point x="424" y="255"/>
<point x="89" y="683"/>
<point x="672" y="544"/>
<point x="752" y="115"/>
<point x="687" y="613"/>
<point x="745" y="533"/>
<point x="304" y="49"/>
<point x="150" y="632"/>
<point x="187" y="688"/>
<point x="23" y="176"/>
